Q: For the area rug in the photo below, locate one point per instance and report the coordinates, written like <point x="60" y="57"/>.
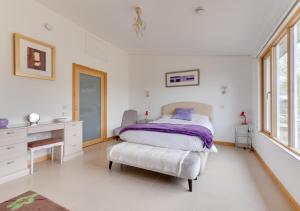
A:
<point x="30" y="201"/>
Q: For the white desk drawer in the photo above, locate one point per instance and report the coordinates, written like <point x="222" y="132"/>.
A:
<point x="74" y="147"/>
<point x="13" y="151"/>
<point x="12" y="136"/>
<point x="73" y="137"/>
<point x="12" y="165"/>
<point x="46" y="127"/>
<point x="73" y="126"/>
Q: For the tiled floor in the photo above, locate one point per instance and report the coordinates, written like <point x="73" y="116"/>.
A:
<point x="233" y="180"/>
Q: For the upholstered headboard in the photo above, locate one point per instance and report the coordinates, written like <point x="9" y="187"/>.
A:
<point x="199" y="108"/>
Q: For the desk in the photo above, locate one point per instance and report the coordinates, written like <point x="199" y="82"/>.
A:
<point x="13" y="145"/>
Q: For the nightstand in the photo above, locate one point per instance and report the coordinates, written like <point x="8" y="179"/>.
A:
<point x="243" y="132"/>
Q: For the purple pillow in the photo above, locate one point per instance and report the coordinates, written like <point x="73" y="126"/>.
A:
<point x="183" y="113"/>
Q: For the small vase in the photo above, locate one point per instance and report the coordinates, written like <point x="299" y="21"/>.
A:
<point x="3" y="123"/>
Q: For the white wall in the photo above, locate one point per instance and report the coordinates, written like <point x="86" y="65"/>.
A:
<point x="283" y="164"/>
<point x="20" y="96"/>
<point x="147" y="73"/>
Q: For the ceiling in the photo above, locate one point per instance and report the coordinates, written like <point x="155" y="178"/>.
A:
<point x="229" y="27"/>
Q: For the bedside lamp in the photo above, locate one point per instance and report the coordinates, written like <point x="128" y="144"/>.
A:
<point x="243" y="115"/>
<point x="146" y="115"/>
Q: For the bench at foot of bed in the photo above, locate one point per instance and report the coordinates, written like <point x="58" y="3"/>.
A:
<point x="179" y="163"/>
<point x="190" y="181"/>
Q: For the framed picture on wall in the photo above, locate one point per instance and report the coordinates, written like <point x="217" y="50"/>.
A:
<point x="33" y="58"/>
<point x="183" y="78"/>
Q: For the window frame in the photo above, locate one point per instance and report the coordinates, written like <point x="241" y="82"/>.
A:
<point x="294" y="85"/>
<point x="284" y="33"/>
<point x="267" y="54"/>
<point x="270" y="50"/>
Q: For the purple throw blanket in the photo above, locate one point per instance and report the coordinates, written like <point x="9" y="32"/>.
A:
<point x="191" y="130"/>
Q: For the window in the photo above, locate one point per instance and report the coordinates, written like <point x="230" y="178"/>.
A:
<point x="280" y="93"/>
<point x="296" y="82"/>
<point x="267" y="92"/>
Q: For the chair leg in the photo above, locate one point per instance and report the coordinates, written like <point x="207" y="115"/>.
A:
<point x="110" y="164"/>
<point x="31" y="162"/>
<point x="190" y="185"/>
<point x="52" y="153"/>
<point x="61" y="153"/>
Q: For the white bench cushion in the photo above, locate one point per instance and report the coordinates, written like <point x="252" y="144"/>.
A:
<point x="173" y="162"/>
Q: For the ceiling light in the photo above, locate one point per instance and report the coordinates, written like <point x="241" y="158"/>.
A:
<point x="200" y="10"/>
<point x="139" y="25"/>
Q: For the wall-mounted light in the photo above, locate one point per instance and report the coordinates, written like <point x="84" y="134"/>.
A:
<point x="200" y="10"/>
<point x="147" y="93"/>
<point x="224" y="90"/>
<point x="48" y="26"/>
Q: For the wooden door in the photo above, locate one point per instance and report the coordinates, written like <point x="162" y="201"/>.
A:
<point x="89" y="103"/>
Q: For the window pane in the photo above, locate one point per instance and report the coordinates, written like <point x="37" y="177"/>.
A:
<point x="282" y="90"/>
<point x="296" y="48"/>
<point x="267" y="93"/>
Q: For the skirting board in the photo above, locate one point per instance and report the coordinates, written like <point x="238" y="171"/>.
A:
<point x="111" y="138"/>
<point x="48" y="157"/>
<point x="40" y="159"/>
<point x="105" y="140"/>
<point x="69" y="157"/>
<point x="14" y="176"/>
<point x="281" y="187"/>
<point x="225" y="143"/>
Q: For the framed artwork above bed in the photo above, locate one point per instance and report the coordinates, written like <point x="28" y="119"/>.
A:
<point x="183" y="78"/>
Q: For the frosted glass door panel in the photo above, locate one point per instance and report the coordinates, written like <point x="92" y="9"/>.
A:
<point x="90" y="106"/>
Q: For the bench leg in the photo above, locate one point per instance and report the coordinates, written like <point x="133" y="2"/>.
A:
<point x="190" y="185"/>
<point x="110" y="164"/>
<point x="31" y="161"/>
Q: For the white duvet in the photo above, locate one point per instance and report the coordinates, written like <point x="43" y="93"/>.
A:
<point x="169" y="140"/>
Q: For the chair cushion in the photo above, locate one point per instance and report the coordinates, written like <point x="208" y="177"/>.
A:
<point x="44" y="142"/>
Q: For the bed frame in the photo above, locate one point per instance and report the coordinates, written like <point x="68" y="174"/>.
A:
<point x="199" y="108"/>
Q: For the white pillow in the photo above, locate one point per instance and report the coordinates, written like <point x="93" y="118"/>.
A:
<point x="199" y="117"/>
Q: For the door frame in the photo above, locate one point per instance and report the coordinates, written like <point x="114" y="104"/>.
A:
<point x="77" y="69"/>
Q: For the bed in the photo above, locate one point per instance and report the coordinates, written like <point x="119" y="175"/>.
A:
<point x="145" y="143"/>
<point x="177" y="141"/>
